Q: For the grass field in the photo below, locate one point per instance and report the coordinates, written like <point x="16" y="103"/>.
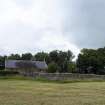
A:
<point x="29" y="92"/>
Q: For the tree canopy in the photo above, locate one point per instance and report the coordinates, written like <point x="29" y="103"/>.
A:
<point x="91" y="61"/>
<point x="88" y="61"/>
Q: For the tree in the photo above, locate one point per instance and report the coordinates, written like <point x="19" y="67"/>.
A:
<point x="61" y="58"/>
<point x="14" y="57"/>
<point x="27" y="56"/>
<point x="54" y="56"/>
<point x="41" y="56"/>
<point x="91" y="60"/>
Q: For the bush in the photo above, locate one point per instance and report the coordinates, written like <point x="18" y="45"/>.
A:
<point x="7" y="73"/>
<point x="71" y="67"/>
<point x="52" y="68"/>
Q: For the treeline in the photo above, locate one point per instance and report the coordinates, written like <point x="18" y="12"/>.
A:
<point x="58" y="61"/>
<point x="88" y="61"/>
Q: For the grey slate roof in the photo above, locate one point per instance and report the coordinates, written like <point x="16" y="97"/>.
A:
<point x="12" y="64"/>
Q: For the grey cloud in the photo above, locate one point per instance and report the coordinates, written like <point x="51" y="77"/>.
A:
<point x="33" y="25"/>
<point x="87" y="23"/>
<point x="24" y="3"/>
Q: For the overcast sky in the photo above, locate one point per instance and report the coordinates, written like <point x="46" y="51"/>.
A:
<point x="45" y="25"/>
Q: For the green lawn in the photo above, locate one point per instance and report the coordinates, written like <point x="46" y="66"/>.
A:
<point x="29" y="92"/>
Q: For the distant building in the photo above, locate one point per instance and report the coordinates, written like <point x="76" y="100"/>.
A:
<point x="26" y="64"/>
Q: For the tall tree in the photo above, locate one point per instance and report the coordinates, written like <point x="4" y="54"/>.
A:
<point x="27" y="56"/>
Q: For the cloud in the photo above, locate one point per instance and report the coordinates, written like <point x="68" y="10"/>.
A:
<point x="36" y="25"/>
<point x="87" y="23"/>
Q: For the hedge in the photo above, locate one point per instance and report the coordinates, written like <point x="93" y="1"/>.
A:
<point x="7" y="73"/>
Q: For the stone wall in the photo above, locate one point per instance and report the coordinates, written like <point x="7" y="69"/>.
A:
<point x="65" y="76"/>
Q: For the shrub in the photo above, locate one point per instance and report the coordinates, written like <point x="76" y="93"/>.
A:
<point x="52" y="67"/>
<point x="71" y="67"/>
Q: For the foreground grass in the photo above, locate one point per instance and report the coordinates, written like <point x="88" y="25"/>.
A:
<point x="29" y="92"/>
